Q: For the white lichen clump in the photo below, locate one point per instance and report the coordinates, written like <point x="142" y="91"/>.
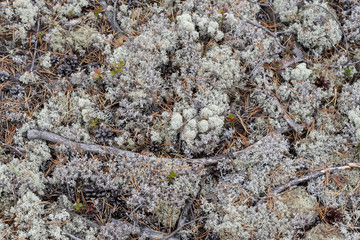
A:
<point x="45" y="61"/>
<point x="354" y="116"/>
<point x="286" y="9"/>
<point x="186" y="25"/>
<point x="28" y="77"/>
<point x="27" y="12"/>
<point x="318" y="30"/>
<point x="176" y="121"/>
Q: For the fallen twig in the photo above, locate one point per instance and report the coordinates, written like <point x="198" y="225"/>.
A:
<point x="71" y="236"/>
<point x="182" y="226"/>
<point x="268" y="31"/>
<point x="54" y="138"/>
<point x="146" y="232"/>
<point x="112" y="17"/>
<point x="187" y="209"/>
<point x="11" y="147"/>
<point x="307" y="178"/>
<point x="36" y="43"/>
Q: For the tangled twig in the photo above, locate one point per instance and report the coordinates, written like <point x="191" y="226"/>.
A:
<point x="71" y="236"/>
<point x="182" y="226"/>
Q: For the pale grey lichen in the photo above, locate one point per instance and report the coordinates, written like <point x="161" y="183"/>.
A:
<point x="79" y="39"/>
<point x="202" y="122"/>
<point x="70" y="8"/>
<point x="319" y="144"/>
<point x="176" y="121"/>
<point x="29" y="222"/>
<point x="27" y="11"/>
<point x="208" y="27"/>
<point x="28" y="77"/>
<point x="184" y="72"/>
<point x="167" y="213"/>
<point x="244" y="222"/>
<point x="287" y="10"/>
<point x="45" y="61"/>
<point x="34" y="220"/>
<point x="317" y="29"/>
<point x="186" y="26"/>
<point x="112" y="230"/>
<point x="221" y="67"/>
<point x="354" y="116"/>
<point x="262" y="160"/>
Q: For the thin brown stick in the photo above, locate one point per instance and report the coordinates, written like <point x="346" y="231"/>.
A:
<point x="12" y="148"/>
<point x="71" y="236"/>
<point x="112" y="17"/>
<point x="146" y="232"/>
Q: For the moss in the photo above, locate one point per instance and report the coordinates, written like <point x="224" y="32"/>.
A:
<point x="298" y="201"/>
<point x="82" y="37"/>
<point x="323" y="232"/>
<point x="167" y="214"/>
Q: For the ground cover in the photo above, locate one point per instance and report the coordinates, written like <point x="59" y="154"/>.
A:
<point x="174" y="119"/>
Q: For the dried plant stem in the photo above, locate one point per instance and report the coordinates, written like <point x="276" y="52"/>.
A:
<point x="146" y="232"/>
<point x="307" y="178"/>
<point x="182" y="226"/>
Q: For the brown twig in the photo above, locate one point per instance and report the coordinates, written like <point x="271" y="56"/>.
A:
<point x="182" y="226"/>
<point x="146" y="232"/>
<point x="71" y="236"/>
